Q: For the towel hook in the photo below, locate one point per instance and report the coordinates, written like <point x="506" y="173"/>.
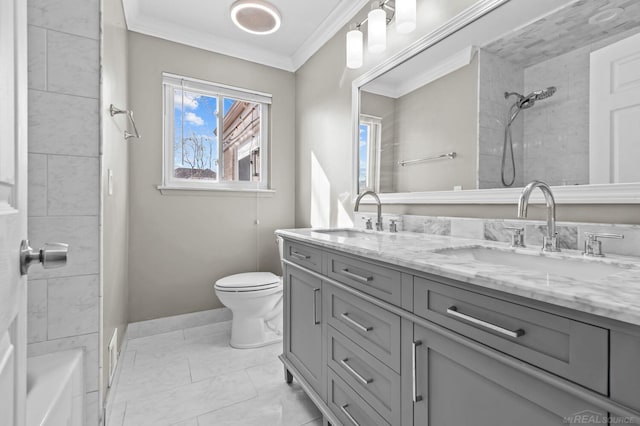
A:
<point x="127" y="135"/>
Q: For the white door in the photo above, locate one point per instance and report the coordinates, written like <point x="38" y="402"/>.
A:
<point x="13" y="209"/>
<point x="614" y="114"/>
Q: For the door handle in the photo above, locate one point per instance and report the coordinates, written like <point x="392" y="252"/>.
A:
<point x="51" y="255"/>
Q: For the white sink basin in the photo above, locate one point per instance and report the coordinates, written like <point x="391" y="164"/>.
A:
<point x="361" y="234"/>
<point x="577" y="268"/>
<point x="345" y="233"/>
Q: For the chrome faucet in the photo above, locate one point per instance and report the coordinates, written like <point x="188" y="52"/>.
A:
<point x="374" y="195"/>
<point x="550" y="241"/>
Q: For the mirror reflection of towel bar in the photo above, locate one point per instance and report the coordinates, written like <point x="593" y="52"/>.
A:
<point x="127" y="135"/>
<point x="449" y="155"/>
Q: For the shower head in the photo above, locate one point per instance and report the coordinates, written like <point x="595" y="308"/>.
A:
<point x="530" y="100"/>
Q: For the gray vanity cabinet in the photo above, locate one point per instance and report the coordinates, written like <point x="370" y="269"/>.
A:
<point x="303" y="343"/>
<point x="375" y="344"/>
<point x="455" y="385"/>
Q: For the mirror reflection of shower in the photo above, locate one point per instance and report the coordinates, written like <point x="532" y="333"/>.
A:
<point x="521" y="103"/>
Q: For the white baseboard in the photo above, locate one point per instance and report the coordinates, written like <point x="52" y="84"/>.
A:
<point x="136" y="330"/>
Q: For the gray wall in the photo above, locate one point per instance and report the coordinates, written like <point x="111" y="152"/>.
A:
<point x="115" y="157"/>
<point x="323" y="134"/>
<point x="323" y="119"/>
<point x="64" y="189"/>
<point x="437" y="118"/>
<point x="181" y="242"/>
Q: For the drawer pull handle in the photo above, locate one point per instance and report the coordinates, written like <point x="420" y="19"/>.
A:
<point x="354" y="373"/>
<point x="349" y="416"/>
<point x="315" y="306"/>
<point x="414" y="371"/>
<point x="356" y="277"/>
<point x="356" y="324"/>
<point x="300" y="256"/>
<point x="515" y="334"/>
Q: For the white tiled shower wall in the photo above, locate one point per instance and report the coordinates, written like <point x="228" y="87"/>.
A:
<point x="551" y="139"/>
<point x="64" y="182"/>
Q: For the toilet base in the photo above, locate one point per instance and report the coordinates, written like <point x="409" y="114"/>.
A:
<point x="247" y="333"/>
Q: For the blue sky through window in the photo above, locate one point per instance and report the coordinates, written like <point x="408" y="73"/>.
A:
<point x="200" y="123"/>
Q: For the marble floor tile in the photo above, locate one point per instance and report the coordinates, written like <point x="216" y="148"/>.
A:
<point x="156" y="342"/>
<point x="184" y="402"/>
<point x="289" y="407"/>
<point x="192" y="377"/>
<point x="142" y="382"/>
<point x="202" y="365"/>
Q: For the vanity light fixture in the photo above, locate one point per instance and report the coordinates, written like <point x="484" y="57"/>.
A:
<point x="354" y="47"/>
<point x="381" y="14"/>
<point x="255" y="16"/>
<point x="405" y="16"/>
<point x="377" y="27"/>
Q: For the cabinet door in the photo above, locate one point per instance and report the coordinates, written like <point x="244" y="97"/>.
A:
<point x="456" y="386"/>
<point x="303" y="346"/>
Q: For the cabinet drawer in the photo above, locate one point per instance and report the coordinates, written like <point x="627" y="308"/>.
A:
<point x="303" y="255"/>
<point x="349" y="407"/>
<point x="378" y="384"/>
<point x="371" y="327"/>
<point x="568" y="348"/>
<point x="378" y="281"/>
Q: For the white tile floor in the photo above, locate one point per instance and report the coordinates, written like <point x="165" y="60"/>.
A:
<point x="192" y="377"/>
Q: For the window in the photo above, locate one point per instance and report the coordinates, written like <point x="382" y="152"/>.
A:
<point x="369" y="153"/>
<point x="215" y="136"/>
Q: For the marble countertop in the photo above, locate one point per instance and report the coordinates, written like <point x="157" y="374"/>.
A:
<point x="615" y="296"/>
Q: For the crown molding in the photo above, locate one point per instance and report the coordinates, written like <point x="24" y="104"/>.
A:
<point x="338" y="18"/>
<point x="179" y="34"/>
<point x="341" y="15"/>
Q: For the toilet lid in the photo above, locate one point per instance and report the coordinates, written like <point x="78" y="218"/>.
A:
<point x="248" y="281"/>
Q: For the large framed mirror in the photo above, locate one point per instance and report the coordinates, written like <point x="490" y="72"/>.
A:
<point x="505" y="93"/>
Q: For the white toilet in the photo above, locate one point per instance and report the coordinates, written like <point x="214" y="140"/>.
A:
<point x="255" y="299"/>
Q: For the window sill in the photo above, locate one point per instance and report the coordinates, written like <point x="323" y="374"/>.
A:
<point x="238" y="192"/>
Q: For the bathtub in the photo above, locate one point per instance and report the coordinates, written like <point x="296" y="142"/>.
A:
<point x="55" y="389"/>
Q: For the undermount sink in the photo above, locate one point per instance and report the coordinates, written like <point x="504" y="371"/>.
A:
<point x="358" y="233"/>
<point x="345" y="233"/>
<point x="576" y="268"/>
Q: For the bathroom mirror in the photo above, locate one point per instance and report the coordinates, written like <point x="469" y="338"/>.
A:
<point x="551" y="93"/>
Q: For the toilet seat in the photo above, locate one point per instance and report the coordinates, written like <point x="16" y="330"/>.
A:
<point x="248" y="282"/>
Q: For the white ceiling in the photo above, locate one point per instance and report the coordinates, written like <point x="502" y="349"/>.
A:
<point x="306" y="26"/>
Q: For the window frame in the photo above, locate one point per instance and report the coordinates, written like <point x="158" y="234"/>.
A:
<point x="173" y="82"/>
<point x="373" y="152"/>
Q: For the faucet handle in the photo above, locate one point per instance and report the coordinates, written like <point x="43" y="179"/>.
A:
<point x="593" y="246"/>
<point x="368" y="223"/>
<point x="393" y="226"/>
<point x="517" y="238"/>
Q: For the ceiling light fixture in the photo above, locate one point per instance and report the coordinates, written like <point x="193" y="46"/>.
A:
<point x="606" y="16"/>
<point x="255" y="16"/>
<point x="381" y="14"/>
